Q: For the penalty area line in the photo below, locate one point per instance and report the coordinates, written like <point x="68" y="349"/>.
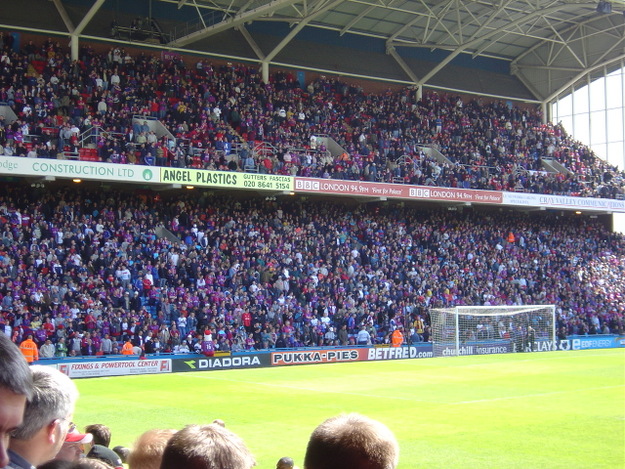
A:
<point x="301" y="388"/>
<point x="542" y="394"/>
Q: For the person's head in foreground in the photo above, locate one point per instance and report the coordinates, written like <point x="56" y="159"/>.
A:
<point x="73" y="447"/>
<point x="16" y="387"/>
<point x="101" y="434"/>
<point x="206" y="447"/>
<point x="89" y="463"/>
<point x="122" y="452"/>
<point x="106" y="455"/>
<point x="147" y="451"/>
<point x="84" y="463"/>
<point x="285" y="463"/>
<point x="47" y="418"/>
<point x="351" y="441"/>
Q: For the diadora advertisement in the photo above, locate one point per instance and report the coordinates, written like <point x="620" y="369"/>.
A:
<point x="267" y="358"/>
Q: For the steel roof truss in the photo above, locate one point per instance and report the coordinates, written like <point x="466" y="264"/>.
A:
<point x="264" y="10"/>
<point x="64" y="16"/>
<point x="252" y="43"/>
<point x="317" y="9"/>
<point x="356" y="19"/>
<point x="88" y="17"/>
<point x="565" y="45"/>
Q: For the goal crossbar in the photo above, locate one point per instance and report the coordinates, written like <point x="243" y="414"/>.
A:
<point x="492" y="310"/>
<point x="468" y="330"/>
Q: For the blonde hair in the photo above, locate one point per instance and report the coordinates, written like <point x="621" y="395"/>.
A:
<point x="207" y="447"/>
<point x="147" y="451"/>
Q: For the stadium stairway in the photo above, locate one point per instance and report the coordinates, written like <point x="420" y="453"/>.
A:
<point x="163" y="232"/>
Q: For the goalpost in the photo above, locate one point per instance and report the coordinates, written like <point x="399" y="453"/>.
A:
<point x="481" y="330"/>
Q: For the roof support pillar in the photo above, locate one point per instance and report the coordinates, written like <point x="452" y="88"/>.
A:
<point x="419" y="93"/>
<point x="265" y="71"/>
<point x="74" y="46"/>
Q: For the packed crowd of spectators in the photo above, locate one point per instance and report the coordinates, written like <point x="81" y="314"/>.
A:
<point x="219" y="115"/>
<point x="88" y="270"/>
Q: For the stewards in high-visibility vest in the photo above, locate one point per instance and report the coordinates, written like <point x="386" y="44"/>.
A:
<point x="29" y="349"/>
<point x="397" y="338"/>
<point x="127" y="348"/>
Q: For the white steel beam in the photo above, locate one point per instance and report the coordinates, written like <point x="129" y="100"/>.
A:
<point x="232" y="22"/>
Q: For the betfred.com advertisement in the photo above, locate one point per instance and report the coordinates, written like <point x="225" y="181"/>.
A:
<point x="399" y="353"/>
<point x="350" y="355"/>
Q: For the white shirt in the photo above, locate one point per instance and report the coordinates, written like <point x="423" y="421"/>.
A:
<point x="363" y="336"/>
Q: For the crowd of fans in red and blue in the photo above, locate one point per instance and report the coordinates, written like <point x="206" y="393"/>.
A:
<point x="91" y="269"/>
<point x="218" y="114"/>
<point x="84" y="271"/>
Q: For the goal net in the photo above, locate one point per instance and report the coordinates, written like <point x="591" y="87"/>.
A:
<point x="481" y="330"/>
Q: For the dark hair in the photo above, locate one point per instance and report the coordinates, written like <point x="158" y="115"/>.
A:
<point x="57" y="464"/>
<point x="285" y="463"/>
<point x="122" y="452"/>
<point x="15" y="374"/>
<point x="101" y="434"/>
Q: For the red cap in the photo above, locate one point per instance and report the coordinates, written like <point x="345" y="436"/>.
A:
<point x="82" y="438"/>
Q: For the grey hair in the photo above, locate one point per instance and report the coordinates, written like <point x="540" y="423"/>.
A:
<point x="15" y="374"/>
<point x="54" y="397"/>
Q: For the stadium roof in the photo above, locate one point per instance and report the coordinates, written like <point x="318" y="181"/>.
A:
<point x="528" y="50"/>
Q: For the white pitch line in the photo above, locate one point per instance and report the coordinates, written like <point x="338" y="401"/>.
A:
<point x="531" y="357"/>
<point x="411" y="399"/>
<point x="524" y="396"/>
<point x="300" y="388"/>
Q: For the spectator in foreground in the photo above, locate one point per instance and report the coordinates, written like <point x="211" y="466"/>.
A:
<point x="107" y="455"/>
<point x="286" y="463"/>
<point x="73" y="447"/>
<point x="16" y="387"/>
<point x="147" y="452"/>
<point x="207" y="447"/>
<point x="47" y="419"/>
<point x="122" y="452"/>
<point x="101" y="434"/>
<point x="89" y="463"/>
<point x="351" y="441"/>
<point x="85" y="463"/>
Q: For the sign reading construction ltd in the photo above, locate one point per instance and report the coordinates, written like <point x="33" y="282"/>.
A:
<point x="18" y="166"/>
<point x="227" y="179"/>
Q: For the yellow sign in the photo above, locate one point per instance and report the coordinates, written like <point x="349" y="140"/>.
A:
<point x="227" y="179"/>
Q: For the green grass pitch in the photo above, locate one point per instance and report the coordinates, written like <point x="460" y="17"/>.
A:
<point x="543" y="410"/>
